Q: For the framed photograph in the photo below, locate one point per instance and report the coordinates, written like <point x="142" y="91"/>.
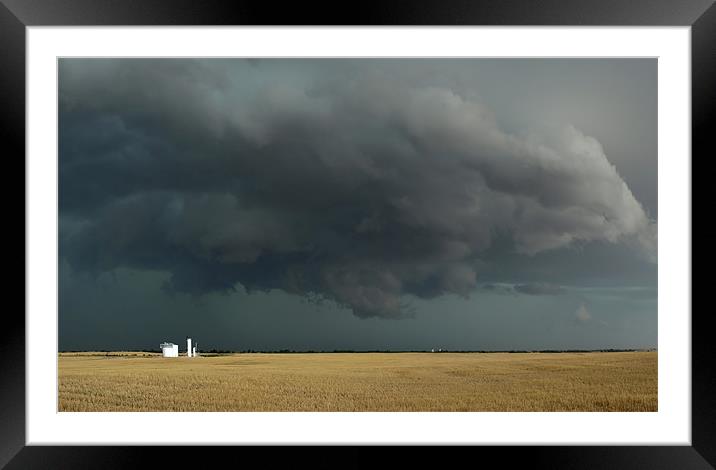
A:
<point x="450" y="224"/>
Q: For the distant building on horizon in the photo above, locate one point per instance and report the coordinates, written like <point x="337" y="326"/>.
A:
<point x="169" y="349"/>
<point x="172" y="350"/>
<point x="190" y="350"/>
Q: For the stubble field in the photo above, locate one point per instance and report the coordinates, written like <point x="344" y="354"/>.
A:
<point x="595" y="381"/>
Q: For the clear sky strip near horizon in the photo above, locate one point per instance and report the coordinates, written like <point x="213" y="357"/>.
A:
<point x="393" y="204"/>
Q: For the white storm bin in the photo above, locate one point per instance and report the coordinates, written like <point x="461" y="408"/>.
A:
<point x="169" y="349"/>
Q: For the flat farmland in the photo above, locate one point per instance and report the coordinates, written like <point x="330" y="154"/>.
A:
<point x="594" y="381"/>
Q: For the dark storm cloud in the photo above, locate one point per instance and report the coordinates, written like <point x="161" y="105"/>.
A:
<point x="358" y="188"/>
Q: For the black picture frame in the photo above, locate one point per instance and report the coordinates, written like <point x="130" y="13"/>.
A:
<point x="16" y="15"/>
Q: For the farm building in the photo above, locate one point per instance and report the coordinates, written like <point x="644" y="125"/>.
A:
<point x="169" y="349"/>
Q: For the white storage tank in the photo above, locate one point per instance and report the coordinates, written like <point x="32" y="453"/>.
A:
<point x="169" y="349"/>
<point x="188" y="346"/>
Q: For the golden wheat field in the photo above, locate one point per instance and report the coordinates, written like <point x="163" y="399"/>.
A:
<point x="595" y="381"/>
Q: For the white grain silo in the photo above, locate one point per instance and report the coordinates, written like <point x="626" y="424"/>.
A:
<point x="193" y="349"/>
<point x="169" y="349"/>
<point x="188" y="347"/>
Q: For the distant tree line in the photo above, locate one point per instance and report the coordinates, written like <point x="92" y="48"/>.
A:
<point x="353" y="351"/>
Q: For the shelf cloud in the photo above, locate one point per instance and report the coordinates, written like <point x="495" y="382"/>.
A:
<point x="355" y="188"/>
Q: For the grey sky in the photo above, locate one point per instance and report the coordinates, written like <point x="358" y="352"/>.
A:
<point x="358" y="204"/>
